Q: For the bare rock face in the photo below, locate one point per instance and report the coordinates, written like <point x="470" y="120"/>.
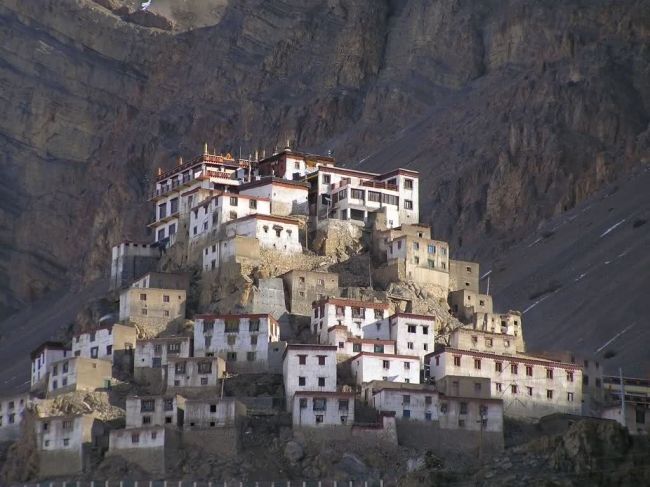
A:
<point x="512" y="111"/>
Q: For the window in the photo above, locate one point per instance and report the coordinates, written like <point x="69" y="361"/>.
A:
<point x="231" y="356"/>
<point x="506" y="343"/>
<point x="498" y="367"/>
<point x="66" y="441"/>
<point x="463" y="408"/>
<point x="408" y="204"/>
<point x="254" y="340"/>
<point x="374" y="196"/>
<point x="513" y="369"/>
<point x="251" y="356"/>
<point x="303" y="403"/>
<point x="233" y="201"/>
<point x="254" y="325"/>
<point x="513" y="389"/>
<point x="640" y="416"/>
<point x="356" y="347"/>
<point x="549" y="394"/>
<point x="549" y="373"/>
<point x="408" y="183"/>
<point x="168" y="404"/>
<point x="252" y="204"/>
<point x="498" y="386"/>
<point x="135" y="438"/>
<point x="321" y="359"/>
<point x="529" y="391"/>
<point x="321" y="382"/>
<point x="529" y="370"/>
<point x="109" y="349"/>
<point x="143" y="312"/>
<point x="477" y="387"/>
<point x="443" y="408"/>
<point x="147" y="405"/>
<point x="410" y="345"/>
<point x="412" y="329"/>
<point x="67" y="425"/>
<point x="406" y="413"/>
<point x="172" y="348"/>
<point x="477" y="364"/>
<point x="168" y="420"/>
<point x="327" y="179"/>
<point x="319" y="418"/>
<point x="407" y="366"/>
<point x="179" y="368"/>
<point x="301" y="381"/>
<point x="232" y="325"/>
<point x="431" y="249"/>
<point x="457" y="360"/>
<point x="231" y="340"/>
<point x="385" y="364"/>
<point x="425" y="346"/>
<point x="358" y="194"/>
<point x="54" y="370"/>
<point x="569" y="396"/>
<point x="320" y="404"/>
<point x="488" y="342"/>
<point x="143" y="297"/>
<point x="204" y="381"/>
<point x="569" y="376"/>
<point x="94" y="352"/>
<point x="146" y="419"/>
<point x="65" y="367"/>
<point x="205" y="367"/>
<point x="344" y="404"/>
<point x="302" y="359"/>
<point x="416" y="246"/>
<point x="378" y="348"/>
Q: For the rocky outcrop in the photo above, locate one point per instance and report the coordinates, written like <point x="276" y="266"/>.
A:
<point x="512" y="111"/>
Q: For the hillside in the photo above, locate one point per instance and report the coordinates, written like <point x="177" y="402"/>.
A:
<point x="513" y="111"/>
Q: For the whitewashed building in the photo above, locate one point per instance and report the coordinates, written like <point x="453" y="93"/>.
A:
<point x="207" y="218"/>
<point x="194" y="372"/>
<point x="79" y="374"/>
<point x="352" y="346"/>
<point x="146" y="411"/>
<point x="179" y="189"/>
<point x="212" y="412"/>
<point x="308" y="368"/>
<point x="104" y="342"/>
<point x="286" y="197"/>
<point x="413" y="334"/>
<point x="362" y="319"/>
<point x="42" y="357"/>
<point x="346" y="194"/>
<point x="273" y="232"/>
<point x="367" y="367"/>
<point x="408" y="401"/>
<point x="155" y="352"/>
<point x="290" y="164"/>
<point x="12" y="410"/>
<point x="530" y="387"/>
<point x="315" y="408"/>
<point x="242" y="340"/>
<point x="151" y="306"/>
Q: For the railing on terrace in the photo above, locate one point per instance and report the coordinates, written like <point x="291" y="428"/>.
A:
<point x="379" y="185"/>
<point x="209" y="483"/>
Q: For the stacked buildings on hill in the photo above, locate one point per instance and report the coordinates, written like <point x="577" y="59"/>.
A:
<point x="366" y="361"/>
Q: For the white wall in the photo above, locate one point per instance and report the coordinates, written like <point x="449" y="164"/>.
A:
<point x="164" y="411"/>
<point x="310" y="372"/>
<point x="411" y="404"/>
<point x="148" y="350"/>
<point x="369" y="367"/>
<point x="335" y="412"/>
<point x="41" y="364"/>
<point x="512" y="387"/>
<point x="413" y="335"/>
<point x="371" y="320"/>
<point x="192" y="377"/>
<point x="126" y="439"/>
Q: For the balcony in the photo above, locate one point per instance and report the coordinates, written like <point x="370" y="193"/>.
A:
<point x="379" y="185"/>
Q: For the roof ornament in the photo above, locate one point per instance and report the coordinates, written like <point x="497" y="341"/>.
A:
<point x="205" y="148"/>
<point x="180" y="160"/>
<point x="160" y="171"/>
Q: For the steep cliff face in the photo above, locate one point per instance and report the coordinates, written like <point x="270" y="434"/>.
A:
<point x="512" y="111"/>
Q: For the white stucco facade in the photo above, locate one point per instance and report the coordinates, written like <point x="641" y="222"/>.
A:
<point x="147" y="411"/>
<point x="314" y="409"/>
<point x="361" y="318"/>
<point x="286" y="197"/>
<point x="103" y="342"/>
<point x="12" y="410"/>
<point x="529" y="387"/>
<point x="273" y="232"/>
<point x="308" y="368"/>
<point x="42" y="358"/>
<point x="241" y="340"/>
<point x="413" y="334"/>
<point x="194" y="372"/>
<point x="155" y="352"/>
<point x="417" y="405"/>
<point x="367" y="367"/>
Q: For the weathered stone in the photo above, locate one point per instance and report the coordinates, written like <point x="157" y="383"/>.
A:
<point x="293" y="452"/>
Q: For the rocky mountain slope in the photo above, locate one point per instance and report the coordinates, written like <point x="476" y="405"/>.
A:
<point x="514" y="111"/>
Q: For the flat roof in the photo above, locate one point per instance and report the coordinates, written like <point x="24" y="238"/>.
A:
<point x="507" y="358"/>
<point x="355" y="303"/>
<point x="385" y="356"/>
<point x="413" y="316"/>
<point x="235" y="316"/>
<point x="49" y="344"/>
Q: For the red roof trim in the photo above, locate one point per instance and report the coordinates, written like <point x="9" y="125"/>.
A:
<point x="507" y="358"/>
